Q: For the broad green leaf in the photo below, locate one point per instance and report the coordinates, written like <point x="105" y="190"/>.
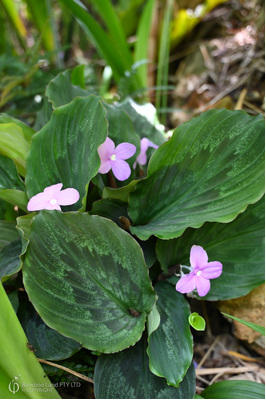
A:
<point x="112" y="209"/>
<point x="116" y="210"/>
<point x="87" y="279"/>
<point x="61" y="90"/>
<point x="14" y="145"/>
<point x="43" y="116"/>
<point x="9" y="259"/>
<point x="28" y="132"/>
<point x="197" y="322"/>
<point x="120" y="193"/>
<point x="210" y="170"/>
<point x="126" y="375"/>
<point x="143" y="126"/>
<point x="238" y="389"/>
<point x="48" y="343"/>
<point x="8" y="233"/>
<point x="23" y="226"/>
<point x="15" y="197"/>
<point x="7" y="211"/>
<point x="10" y="249"/>
<point x="255" y="327"/>
<point x="170" y="347"/>
<point x="18" y="365"/>
<point x="239" y="246"/>
<point x="65" y="149"/>
<point x="11" y="186"/>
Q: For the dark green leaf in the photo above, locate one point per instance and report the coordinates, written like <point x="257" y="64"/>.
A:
<point x="144" y="127"/>
<point x="210" y="170"/>
<point x="9" y="178"/>
<point x="10" y="249"/>
<point x="9" y="259"/>
<point x="170" y="347"/>
<point x="87" y="279"/>
<point x="8" y="233"/>
<point x="61" y="90"/>
<point x="239" y="246"/>
<point x="112" y="209"/>
<point x="43" y="116"/>
<point x="47" y="343"/>
<point x="65" y="150"/>
<point x="238" y="389"/>
<point x="120" y="193"/>
<point x="13" y="298"/>
<point x="126" y="375"/>
<point x="14" y="145"/>
<point x="23" y="227"/>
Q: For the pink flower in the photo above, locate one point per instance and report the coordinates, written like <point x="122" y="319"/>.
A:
<point x="201" y="273"/>
<point x="113" y="158"/>
<point x="142" y="157"/>
<point x="52" y="198"/>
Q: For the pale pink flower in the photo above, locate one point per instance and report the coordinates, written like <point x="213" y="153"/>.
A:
<point x="142" y="157"/>
<point x="113" y="158"/>
<point x="201" y="273"/>
<point x="52" y="198"/>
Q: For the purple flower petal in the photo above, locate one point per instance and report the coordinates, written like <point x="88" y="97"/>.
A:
<point x="121" y="169"/>
<point x="187" y="283"/>
<point x="67" y="197"/>
<point x="106" y="149"/>
<point x="144" y="144"/>
<point x="198" y="257"/>
<point x="203" y="285"/>
<point x="124" y="151"/>
<point x="212" y="270"/>
<point x="53" y="189"/>
<point x="105" y="167"/>
<point x="52" y="206"/>
<point x="38" y="202"/>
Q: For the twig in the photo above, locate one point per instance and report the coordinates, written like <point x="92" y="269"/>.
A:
<point x="253" y="107"/>
<point x="203" y="380"/>
<point x="223" y="370"/>
<point x="241" y="98"/>
<point x="85" y="378"/>
<point x="204" y="358"/>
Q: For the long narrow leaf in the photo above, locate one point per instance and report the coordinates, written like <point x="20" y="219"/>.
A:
<point x="42" y="18"/>
<point x="104" y="44"/>
<point x="109" y="16"/>
<point x="251" y="325"/>
<point x="15" y="20"/>
<point x="163" y="60"/>
<point x="142" y="44"/>
<point x="20" y="370"/>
